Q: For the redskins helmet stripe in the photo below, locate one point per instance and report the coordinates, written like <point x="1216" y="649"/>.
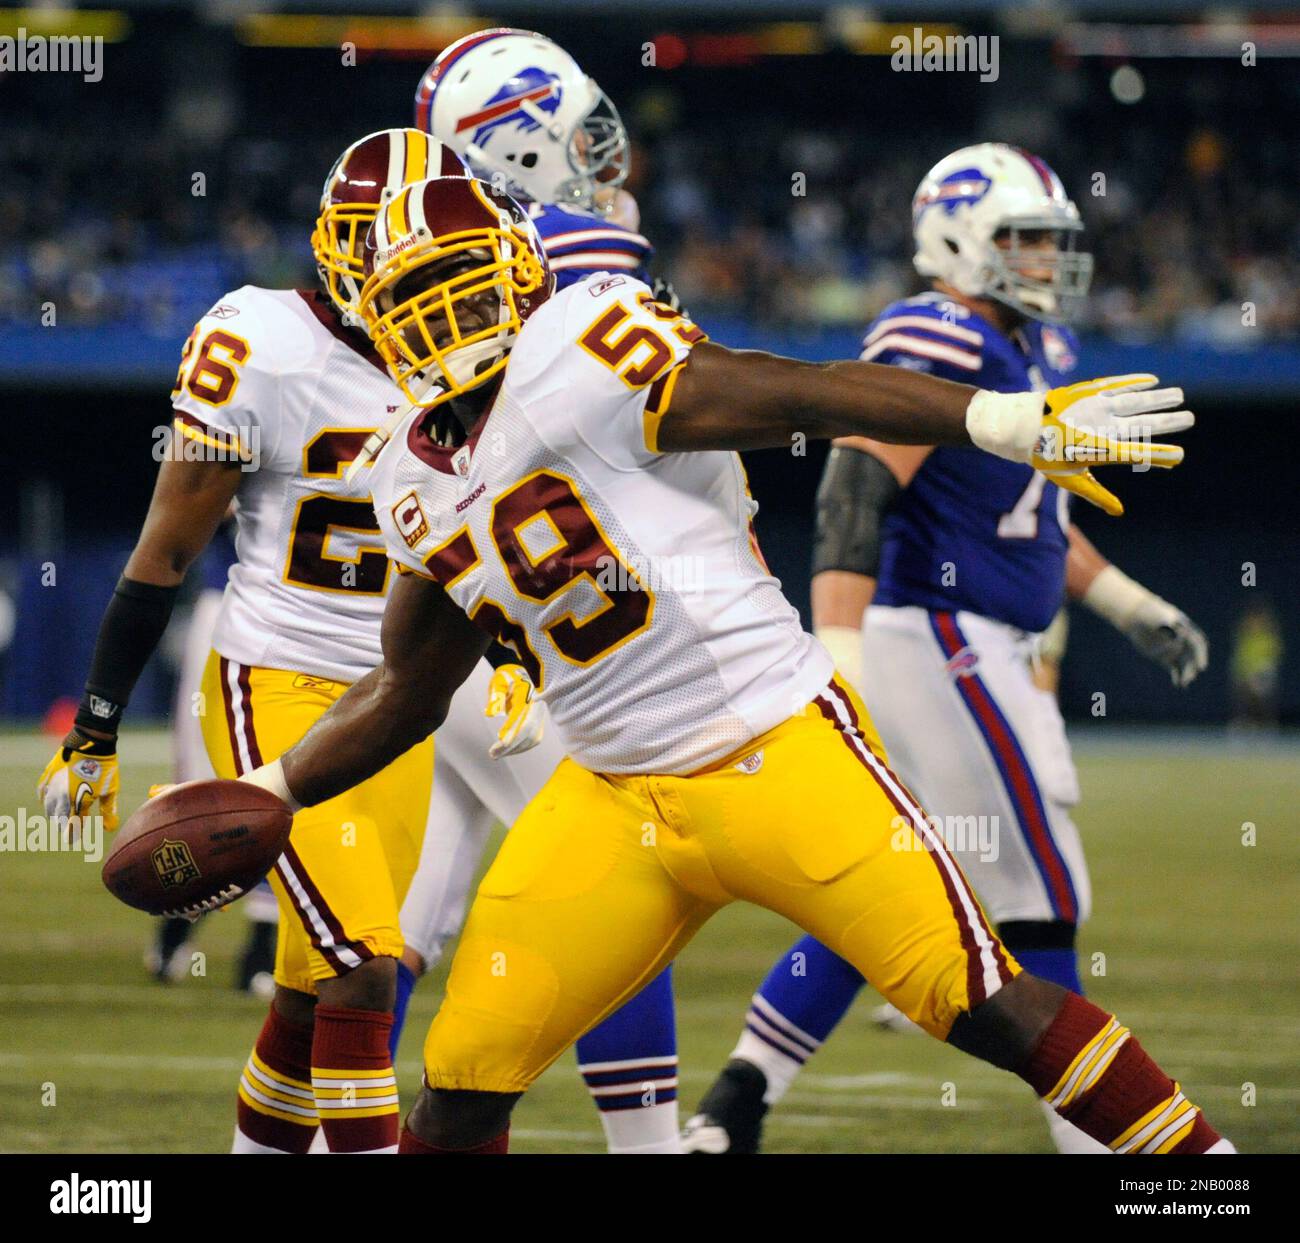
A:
<point x="450" y="335"/>
<point x="368" y="174"/>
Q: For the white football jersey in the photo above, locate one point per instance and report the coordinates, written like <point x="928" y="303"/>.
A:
<point x="627" y="580"/>
<point x="274" y="371"/>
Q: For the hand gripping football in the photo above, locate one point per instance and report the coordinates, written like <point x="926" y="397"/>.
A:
<point x="196" y="847"/>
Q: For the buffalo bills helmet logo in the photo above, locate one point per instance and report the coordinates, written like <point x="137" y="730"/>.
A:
<point x="505" y="108"/>
<point x="966" y="185"/>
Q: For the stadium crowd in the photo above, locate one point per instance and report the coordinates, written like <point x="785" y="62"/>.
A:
<point x="775" y="221"/>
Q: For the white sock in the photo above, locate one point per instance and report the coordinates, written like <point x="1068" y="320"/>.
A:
<point x="1068" y="1138"/>
<point x="1220" y="1147"/>
<point x="242" y="1145"/>
<point x="780" y="1069"/>
<point x="647" y="1129"/>
<point x="318" y="1144"/>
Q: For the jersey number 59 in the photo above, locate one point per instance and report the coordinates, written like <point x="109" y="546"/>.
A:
<point x="549" y="541"/>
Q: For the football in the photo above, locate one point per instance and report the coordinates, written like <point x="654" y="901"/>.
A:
<point x="196" y="847"/>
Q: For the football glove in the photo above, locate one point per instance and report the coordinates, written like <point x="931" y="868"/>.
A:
<point x="662" y="291"/>
<point x="82" y="773"/>
<point x="1111" y="421"/>
<point x="511" y="696"/>
<point x="1155" y="627"/>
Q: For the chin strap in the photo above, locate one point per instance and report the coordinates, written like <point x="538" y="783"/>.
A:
<point x="377" y="439"/>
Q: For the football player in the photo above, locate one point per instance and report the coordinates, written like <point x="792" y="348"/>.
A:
<point x="523" y="116"/>
<point x="277" y="392"/>
<point x="573" y="449"/>
<point x="937" y="574"/>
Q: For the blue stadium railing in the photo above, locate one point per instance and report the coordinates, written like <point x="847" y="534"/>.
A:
<point x="63" y="357"/>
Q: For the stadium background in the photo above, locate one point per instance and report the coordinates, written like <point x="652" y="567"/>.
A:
<point x="1197" y="237"/>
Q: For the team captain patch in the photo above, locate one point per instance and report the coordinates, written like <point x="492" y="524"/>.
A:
<point x="410" y="519"/>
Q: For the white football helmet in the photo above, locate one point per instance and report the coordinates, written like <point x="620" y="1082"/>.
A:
<point x="979" y="194"/>
<point x="525" y="118"/>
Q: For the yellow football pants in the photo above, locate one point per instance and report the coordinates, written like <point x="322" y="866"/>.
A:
<point x="603" y="879"/>
<point x="341" y="881"/>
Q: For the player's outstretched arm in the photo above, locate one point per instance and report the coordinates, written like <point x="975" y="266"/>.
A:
<point x="429" y="648"/>
<point x="746" y="399"/>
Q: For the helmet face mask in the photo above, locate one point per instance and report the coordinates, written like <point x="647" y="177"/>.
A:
<point x="1043" y="277"/>
<point x="443" y="308"/>
<point x="338" y="242"/>
<point x="598" y="155"/>
<point x="995" y="222"/>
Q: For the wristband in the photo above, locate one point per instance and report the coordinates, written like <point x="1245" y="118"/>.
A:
<point x="271" y="777"/>
<point x="132" y="625"/>
<point x="1005" y="424"/>
<point x="1116" y="597"/>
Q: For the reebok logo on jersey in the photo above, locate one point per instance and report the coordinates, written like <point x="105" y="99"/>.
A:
<point x="222" y="310"/>
<point x="409" y="518"/>
<point x="610" y="282"/>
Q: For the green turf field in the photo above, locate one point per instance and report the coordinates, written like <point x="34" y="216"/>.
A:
<point x="1200" y="936"/>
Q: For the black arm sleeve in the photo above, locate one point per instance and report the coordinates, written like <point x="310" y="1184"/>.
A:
<point x="855" y="490"/>
<point x="133" y="624"/>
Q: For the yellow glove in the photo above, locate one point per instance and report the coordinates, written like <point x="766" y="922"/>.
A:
<point x="511" y="696"/>
<point x="82" y="773"/>
<point x="1111" y="421"/>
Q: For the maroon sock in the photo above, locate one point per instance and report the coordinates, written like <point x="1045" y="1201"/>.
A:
<point x="352" y="1078"/>
<point x="412" y="1144"/>
<point x="276" y="1106"/>
<point x="1093" y="1072"/>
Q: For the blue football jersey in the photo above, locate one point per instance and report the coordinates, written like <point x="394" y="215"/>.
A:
<point x="579" y="243"/>
<point x="973" y="531"/>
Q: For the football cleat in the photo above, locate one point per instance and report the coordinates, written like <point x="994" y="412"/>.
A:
<point x="730" y="1117"/>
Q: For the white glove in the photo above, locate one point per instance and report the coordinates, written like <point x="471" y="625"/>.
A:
<point x="1155" y="627"/>
<point x="1062" y="432"/>
<point x="511" y="696"/>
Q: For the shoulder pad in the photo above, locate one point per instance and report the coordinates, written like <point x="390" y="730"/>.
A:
<point x="931" y="328"/>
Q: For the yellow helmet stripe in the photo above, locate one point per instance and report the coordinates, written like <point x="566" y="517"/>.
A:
<point x="417" y="155"/>
<point x="395" y="217"/>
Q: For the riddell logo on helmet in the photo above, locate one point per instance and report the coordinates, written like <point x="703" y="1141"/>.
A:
<point x="383" y="256"/>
